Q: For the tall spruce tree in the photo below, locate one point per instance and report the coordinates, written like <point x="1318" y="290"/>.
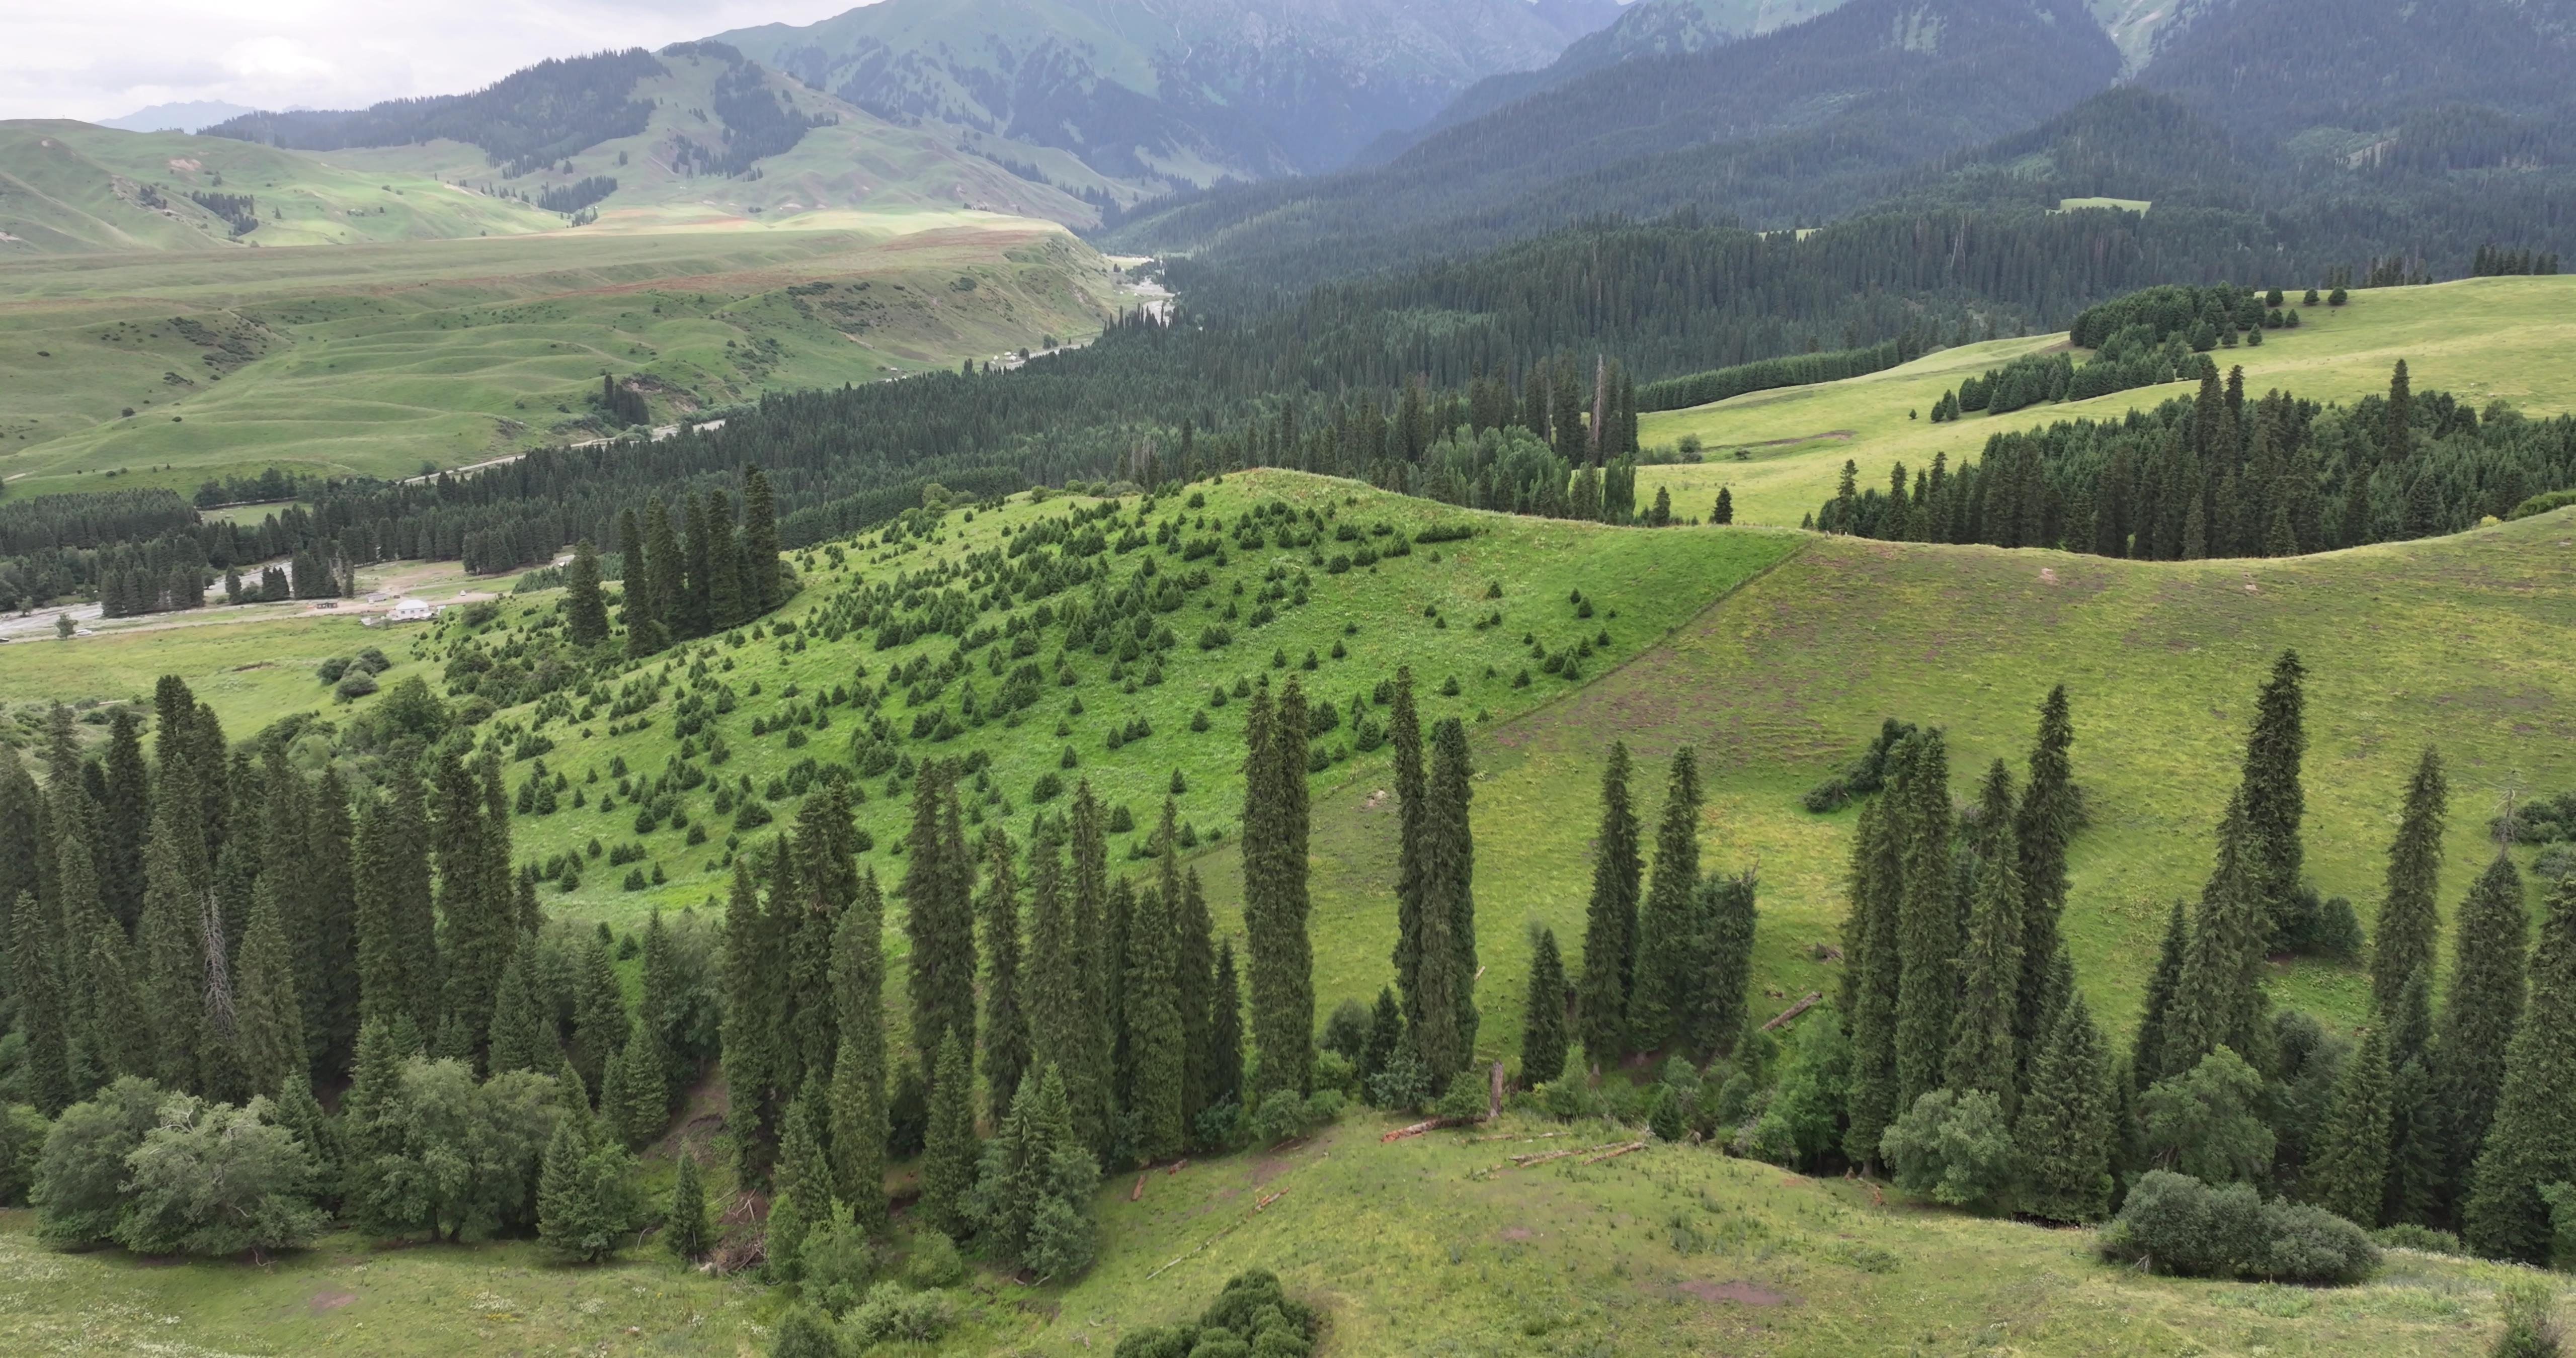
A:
<point x="2347" y="1170"/>
<point x="664" y="579"/>
<point x="1670" y="960"/>
<point x="940" y="925"/>
<point x="2146" y="1053"/>
<point x="858" y="1070"/>
<point x="2218" y="996"/>
<point x="697" y="598"/>
<point x="397" y="931"/>
<point x="643" y="629"/>
<point x="752" y="1044"/>
<point x="1927" y="924"/>
<point x="1154" y="1029"/>
<point x="585" y="610"/>
<point x="761" y="572"/>
<point x="38" y="992"/>
<point x="1063" y="1028"/>
<point x="1275" y="893"/>
<point x="2065" y="1131"/>
<point x="2409" y="918"/>
<point x="125" y="820"/>
<point x="1412" y="810"/>
<point x="1449" y="870"/>
<point x="1724" y="908"/>
<point x="687" y="1232"/>
<point x="2043" y="825"/>
<point x="2417" y="1129"/>
<point x="2273" y="796"/>
<point x="1099" y="963"/>
<point x="949" y="1156"/>
<point x="1006" y="1024"/>
<point x="1196" y="991"/>
<point x="1982" y="1051"/>
<point x="521" y="1037"/>
<point x="804" y="1184"/>
<point x="2484" y="1009"/>
<point x="329" y="948"/>
<point x="1543" y="1037"/>
<point x="1610" y="920"/>
<point x="269" y="1020"/>
<point x="2532" y="1142"/>
<point x="1873" y="964"/>
<point x="1225" y="1031"/>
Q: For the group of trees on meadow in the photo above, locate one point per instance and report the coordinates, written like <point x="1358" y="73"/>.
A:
<point x="2219" y="475"/>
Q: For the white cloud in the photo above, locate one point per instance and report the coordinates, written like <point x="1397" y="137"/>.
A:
<point x="105" y="58"/>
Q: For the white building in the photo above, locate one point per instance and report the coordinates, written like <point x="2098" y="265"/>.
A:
<point x="412" y="610"/>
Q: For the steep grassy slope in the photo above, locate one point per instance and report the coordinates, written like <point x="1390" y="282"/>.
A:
<point x="380" y="359"/>
<point x="71" y="188"/>
<point x="1424" y="1246"/>
<point x="2485" y="339"/>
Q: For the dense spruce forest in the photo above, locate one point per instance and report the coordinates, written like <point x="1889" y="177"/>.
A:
<point x="524" y="122"/>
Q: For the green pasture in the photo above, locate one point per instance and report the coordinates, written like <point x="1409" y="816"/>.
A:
<point x="1782" y="452"/>
<point x="1432" y="1245"/>
<point x="380" y="359"/>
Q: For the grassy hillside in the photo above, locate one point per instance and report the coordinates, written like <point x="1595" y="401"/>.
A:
<point x="2485" y="339"/>
<point x="861" y="162"/>
<point x="71" y="188"/>
<point x="379" y="359"/>
<point x="1431" y="1245"/>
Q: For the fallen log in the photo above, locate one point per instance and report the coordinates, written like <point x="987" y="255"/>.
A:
<point x="1517" y="1136"/>
<point x="1187" y="1253"/>
<point x="1427" y="1125"/>
<point x="1615" y="1152"/>
<point x="1139" y="1190"/>
<point x="1269" y="1200"/>
<point x="1805" y="1002"/>
<point x="1178" y="1166"/>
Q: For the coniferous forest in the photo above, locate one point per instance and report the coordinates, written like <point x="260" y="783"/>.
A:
<point x="831" y="870"/>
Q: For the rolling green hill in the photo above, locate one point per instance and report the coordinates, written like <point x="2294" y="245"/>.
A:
<point x="71" y="188"/>
<point x="175" y="367"/>
<point x="2484" y="339"/>
<point x="1775" y="654"/>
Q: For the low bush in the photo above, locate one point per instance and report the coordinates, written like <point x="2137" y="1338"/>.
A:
<point x="2173" y="1223"/>
<point x="1252" y="1316"/>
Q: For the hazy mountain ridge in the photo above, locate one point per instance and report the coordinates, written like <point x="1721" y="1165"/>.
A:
<point x="1176" y="95"/>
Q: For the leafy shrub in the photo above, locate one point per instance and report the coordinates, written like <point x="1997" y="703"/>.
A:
<point x="2407" y="1235"/>
<point x="1864" y="775"/>
<point x="1252" y="1318"/>
<point x="1953" y="1147"/>
<point x="837" y="1262"/>
<point x="2530" y="1307"/>
<point x="329" y="671"/>
<point x="354" y="685"/>
<point x="892" y="1314"/>
<point x="2173" y="1223"/>
<point x="933" y="1262"/>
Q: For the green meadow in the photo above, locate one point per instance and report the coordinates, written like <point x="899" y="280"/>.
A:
<point x="380" y="359"/>
<point x="1432" y="1245"/>
<point x="1781" y="452"/>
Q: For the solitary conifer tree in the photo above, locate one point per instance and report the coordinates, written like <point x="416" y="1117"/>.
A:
<point x="686" y="1231"/>
<point x="2532" y="1142"/>
<point x="2409" y="919"/>
<point x="2348" y="1164"/>
<point x="1412" y="810"/>
<point x="1610" y="922"/>
<point x="1873" y="966"/>
<point x="1449" y="868"/>
<point x="2273" y="796"/>
<point x="585" y="611"/>
<point x="1275" y="896"/>
<point x="858" y="1070"/>
<point x="1927" y="926"/>
<point x="2484" y="1009"/>
<point x="1670" y="959"/>
<point x="2065" y="1129"/>
<point x="1006" y="1026"/>
<point x="2043" y="824"/>
<point x="1543" y="1018"/>
<point x="948" y="1158"/>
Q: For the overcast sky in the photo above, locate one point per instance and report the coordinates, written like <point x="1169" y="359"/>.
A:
<point x="107" y="58"/>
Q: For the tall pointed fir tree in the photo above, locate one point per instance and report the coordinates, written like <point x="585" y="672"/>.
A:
<point x="1196" y="990"/>
<point x="2409" y="918"/>
<point x="120" y="1028"/>
<point x="1006" y="1023"/>
<point x="804" y="1184"/>
<point x="1543" y="1012"/>
<point x="2531" y="1144"/>
<point x="2218" y="998"/>
<point x="1669" y="960"/>
<point x="268" y="1019"/>
<point x="1873" y="963"/>
<point x="2043" y="824"/>
<point x="397" y="952"/>
<point x="1449" y="870"/>
<point x="170" y="952"/>
<point x="522" y="1037"/>
<point x="1982" y="1052"/>
<point x="1927" y="923"/>
<point x="697" y="597"/>
<point x="724" y="564"/>
<point x="38" y="991"/>
<point x="585" y="610"/>
<point x="761" y="570"/>
<point x="600" y="1025"/>
<point x="939" y="923"/>
<point x="2347" y="1170"/>
<point x="687" y="1231"/>
<point x="1724" y="909"/>
<point x="464" y="917"/>
<point x="827" y="878"/>
<point x="948" y="1159"/>
<point x="1225" y="1031"/>
<point x="329" y="950"/>
<point x="633" y="1102"/>
<point x="1114" y="947"/>
<point x="753" y="1059"/>
<point x="1412" y="810"/>
<point x="858" y="1070"/>
<point x="1275" y="893"/>
<point x="1099" y="967"/>
<point x="2484" y="1009"/>
<point x="2416" y="1126"/>
<point x="1154" y="1029"/>
<point x="664" y="572"/>
<point x="2155" y="1016"/>
<point x="643" y="630"/>
<point x="1610" y="920"/>
<point x="2274" y="799"/>
<point x="1062" y="1026"/>
<point x="2065" y="1130"/>
<point x="125" y="821"/>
